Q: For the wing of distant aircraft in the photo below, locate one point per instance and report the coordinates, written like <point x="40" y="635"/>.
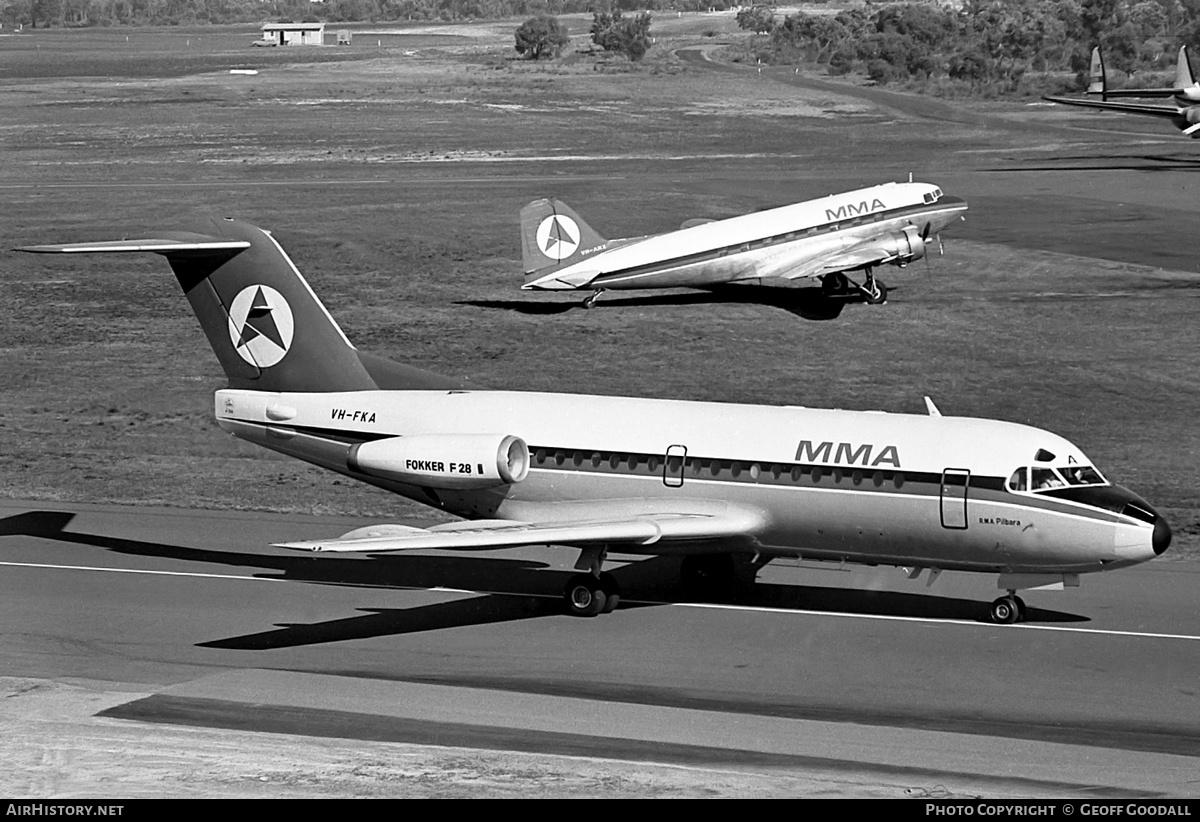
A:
<point x="1150" y="109"/>
<point x="1184" y="112"/>
<point x="1185" y="80"/>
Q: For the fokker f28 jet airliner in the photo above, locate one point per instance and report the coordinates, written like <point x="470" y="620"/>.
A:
<point x="645" y="476"/>
<point x="819" y="239"/>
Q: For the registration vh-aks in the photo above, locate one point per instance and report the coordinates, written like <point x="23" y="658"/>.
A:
<point x="823" y="239"/>
<point x="706" y="481"/>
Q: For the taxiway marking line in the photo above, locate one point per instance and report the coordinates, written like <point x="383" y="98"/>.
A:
<point x="702" y="605"/>
<point x="147" y="572"/>
<point x="928" y="621"/>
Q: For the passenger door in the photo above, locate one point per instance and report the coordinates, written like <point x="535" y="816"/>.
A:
<point x="955" y="482"/>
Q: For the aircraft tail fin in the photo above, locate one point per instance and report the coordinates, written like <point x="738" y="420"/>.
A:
<point x="1097" y="80"/>
<point x="266" y="326"/>
<point x="554" y="236"/>
<point x="1183" y="70"/>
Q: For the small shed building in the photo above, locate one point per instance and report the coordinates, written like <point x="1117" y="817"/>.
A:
<point x="295" y="34"/>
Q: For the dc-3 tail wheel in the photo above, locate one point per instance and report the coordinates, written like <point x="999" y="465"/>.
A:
<point x="586" y="596"/>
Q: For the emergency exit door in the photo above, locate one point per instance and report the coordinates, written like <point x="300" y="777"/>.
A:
<point x="955" y="482"/>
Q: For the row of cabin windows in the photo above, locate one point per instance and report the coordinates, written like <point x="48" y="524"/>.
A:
<point x="807" y="232"/>
<point x="706" y="468"/>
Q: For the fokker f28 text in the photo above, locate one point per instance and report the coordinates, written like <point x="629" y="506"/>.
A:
<point x="704" y="480"/>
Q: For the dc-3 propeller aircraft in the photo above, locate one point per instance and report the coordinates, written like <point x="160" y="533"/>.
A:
<point x="704" y="480"/>
<point x="1184" y="113"/>
<point x="820" y="239"/>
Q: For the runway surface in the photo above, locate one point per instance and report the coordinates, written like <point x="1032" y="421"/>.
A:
<point x="810" y="670"/>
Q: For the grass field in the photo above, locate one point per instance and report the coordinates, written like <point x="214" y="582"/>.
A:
<point x="393" y="171"/>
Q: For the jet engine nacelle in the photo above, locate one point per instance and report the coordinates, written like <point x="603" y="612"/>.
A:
<point x="907" y="245"/>
<point x="444" y="460"/>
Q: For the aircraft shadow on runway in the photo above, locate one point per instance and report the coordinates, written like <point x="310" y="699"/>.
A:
<point x="807" y="303"/>
<point x="498" y="589"/>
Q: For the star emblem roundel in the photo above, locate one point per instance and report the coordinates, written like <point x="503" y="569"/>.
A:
<point x="260" y="325"/>
<point x="558" y="236"/>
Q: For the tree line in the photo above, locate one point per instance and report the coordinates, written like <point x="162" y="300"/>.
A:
<point x="1001" y="45"/>
<point x="41" y="13"/>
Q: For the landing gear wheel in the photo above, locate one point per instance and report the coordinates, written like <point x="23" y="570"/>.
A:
<point x="1005" y="611"/>
<point x="1020" y="607"/>
<point x="612" y="593"/>
<point x="584" y="597"/>
<point x="590" y="302"/>
<point x="880" y="295"/>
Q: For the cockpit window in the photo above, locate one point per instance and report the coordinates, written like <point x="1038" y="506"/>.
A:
<point x="1081" y="475"/>
<point x="1046" y="478"/>
<point x="1038" y="478"/>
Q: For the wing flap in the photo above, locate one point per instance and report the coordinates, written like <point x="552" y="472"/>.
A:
<point x="493" y="534"/>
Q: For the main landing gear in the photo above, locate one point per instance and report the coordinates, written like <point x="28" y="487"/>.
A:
<point x="837" y="284"/>
<point x="588" y="595"/>
<point x="1008" y="609"/>
<point x="590" y="302"/>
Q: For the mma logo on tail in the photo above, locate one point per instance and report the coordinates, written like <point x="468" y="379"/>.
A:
<point x="261" y="325"/>
<point x="558" y="237"/>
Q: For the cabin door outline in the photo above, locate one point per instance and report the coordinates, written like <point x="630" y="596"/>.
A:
<point x="953" y="498"/>
<point x="673" y="464"/>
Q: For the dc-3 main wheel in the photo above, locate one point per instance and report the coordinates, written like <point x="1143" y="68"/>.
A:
<point x="881" y="297"/>
<point x="1006" y="611"/>
<point x="585" y="596"/>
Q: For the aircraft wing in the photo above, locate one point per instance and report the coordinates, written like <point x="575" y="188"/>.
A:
<point x="491" y="534"/>
<point x="1133" y="108"/>
<point x="872" y="252"/>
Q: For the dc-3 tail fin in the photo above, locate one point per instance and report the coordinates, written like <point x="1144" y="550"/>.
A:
<point x="1183" y="70"/>
<point x="554" y="236"/>
<point x="267" y="328"/>
<point x="1097" y="80"/>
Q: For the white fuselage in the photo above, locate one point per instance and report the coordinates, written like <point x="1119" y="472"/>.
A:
<point x="768" y="245"/>
<point x="866" y="487"/>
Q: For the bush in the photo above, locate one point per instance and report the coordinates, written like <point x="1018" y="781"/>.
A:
<point x="626" y="35"/>
<point x="542" y="36"/>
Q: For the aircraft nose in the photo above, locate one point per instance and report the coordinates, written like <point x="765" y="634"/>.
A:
<point x="1162" y="536"/>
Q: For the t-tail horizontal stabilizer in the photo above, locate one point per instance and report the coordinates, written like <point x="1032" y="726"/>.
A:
<point x="267" y="328"/>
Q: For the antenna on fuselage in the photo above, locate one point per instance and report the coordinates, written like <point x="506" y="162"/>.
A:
<point x="933" y="409"/>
